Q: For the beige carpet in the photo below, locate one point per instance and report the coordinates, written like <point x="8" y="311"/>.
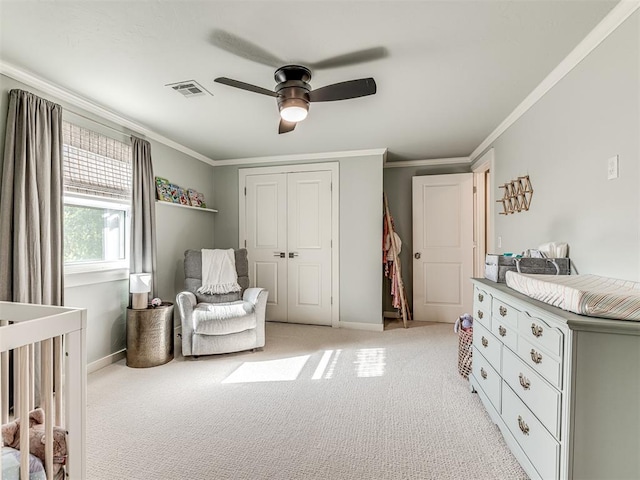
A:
<point x="317" y="403"/>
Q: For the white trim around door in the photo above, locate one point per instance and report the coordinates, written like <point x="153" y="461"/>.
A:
<point x="332" y="167"/>
<point x="483" y="169"/>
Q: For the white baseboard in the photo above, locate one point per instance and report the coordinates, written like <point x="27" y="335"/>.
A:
<point x="372" y="327"/>
<point x="106" y="361"/>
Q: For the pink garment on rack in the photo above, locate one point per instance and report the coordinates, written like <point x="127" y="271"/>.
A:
<point x="390" y="268"/>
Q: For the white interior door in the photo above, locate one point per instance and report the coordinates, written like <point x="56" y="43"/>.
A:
<point x="288" y="237"/>
<point x="266" y="239"/>
<point x="442" y="246"/>
<point x="309" y="247"/>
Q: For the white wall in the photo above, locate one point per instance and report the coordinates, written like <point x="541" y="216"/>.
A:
<point x="563" y="143"/>
<point x="177" y="230"/>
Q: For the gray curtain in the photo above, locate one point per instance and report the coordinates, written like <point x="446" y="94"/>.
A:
<point x="143" y="213"/>
<point x="31" y="256"/>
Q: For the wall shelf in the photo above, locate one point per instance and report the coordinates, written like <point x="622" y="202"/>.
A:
<point x="201" y="209"/>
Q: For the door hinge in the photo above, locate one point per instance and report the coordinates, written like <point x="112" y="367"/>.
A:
<point x="475" y="189"/>
<point x="331" y="187"/>
<point x="331" y="300"/>
<point x="245" y="244"/>
<point x="245" y="191"/>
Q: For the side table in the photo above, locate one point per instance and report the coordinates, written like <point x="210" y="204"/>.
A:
<point x="150" y="336"/>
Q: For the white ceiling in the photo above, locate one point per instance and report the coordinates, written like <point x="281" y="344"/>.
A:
<point x="454" y="69"/>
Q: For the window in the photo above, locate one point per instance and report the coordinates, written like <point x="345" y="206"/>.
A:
<point x="97" y="192"/>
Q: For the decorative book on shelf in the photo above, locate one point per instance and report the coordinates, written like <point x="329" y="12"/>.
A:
<point x="169" y="192"/>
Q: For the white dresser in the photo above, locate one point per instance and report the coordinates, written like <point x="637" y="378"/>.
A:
<point x="564" y="389"/>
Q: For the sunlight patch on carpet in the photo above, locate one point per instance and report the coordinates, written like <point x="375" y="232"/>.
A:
<point x="282" y="370"/>
<point x="370" y="362"/>
<point x="322" y="366"/>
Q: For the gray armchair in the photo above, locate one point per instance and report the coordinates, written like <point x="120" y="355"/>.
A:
<point x="220" y="323"/>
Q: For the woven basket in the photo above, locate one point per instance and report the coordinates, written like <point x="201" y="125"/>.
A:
<point x="465" y="354"/>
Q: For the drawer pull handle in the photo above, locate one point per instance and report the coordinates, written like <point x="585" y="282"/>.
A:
<point x="524" y="381"/>
<point x="480" y="297"/>
<point x="483" y="373"/>
<point x="535" y="356"/>
<point x="502" y="331"/>
<point x="503" y="311"/>
<point x="480" y="314"/>
<point x="485" y="342"/>
<point x="524" y="428"/>
<point x="536" y="330"/>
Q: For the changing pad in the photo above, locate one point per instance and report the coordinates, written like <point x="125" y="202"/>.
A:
<point x="590" y="295"/>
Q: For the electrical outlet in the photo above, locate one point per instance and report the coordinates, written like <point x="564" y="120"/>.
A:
<point x="612" y="168"/>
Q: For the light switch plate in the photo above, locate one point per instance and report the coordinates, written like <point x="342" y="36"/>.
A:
<point x="612" y="168"/>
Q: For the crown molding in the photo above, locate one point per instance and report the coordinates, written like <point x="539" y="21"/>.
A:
<point x="300" y="157"/>
<point x="608" y="25"/>
<point x="434" y="162"/>
<point x="76" y="100"/>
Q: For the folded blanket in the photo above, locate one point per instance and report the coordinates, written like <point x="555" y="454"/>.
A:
<point x="219" y="272"/>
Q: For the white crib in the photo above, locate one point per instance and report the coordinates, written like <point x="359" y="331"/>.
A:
<point x="60" y="335"/>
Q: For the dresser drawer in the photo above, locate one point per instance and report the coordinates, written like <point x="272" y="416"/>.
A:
<point x="537" y="443"/>
<point x="505" y="332"/>
<point x="541" y="398"/>
<point x="482" y="299"/>
<point x="504" y="312"/>
<point x="488" y="345"/>
<point x="487" y="378"/>
<point x="482" y="307"/>
<point x="540" y="361"/>
<point x="540" y="334"/>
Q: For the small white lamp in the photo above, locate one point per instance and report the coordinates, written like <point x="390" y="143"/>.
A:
<point x="140" y="286"/>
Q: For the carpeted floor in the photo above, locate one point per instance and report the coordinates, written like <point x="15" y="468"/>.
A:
<point x="317" y="403"/>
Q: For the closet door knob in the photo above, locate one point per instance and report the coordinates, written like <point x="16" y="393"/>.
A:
<point x="293" y="254"/>
<point x="417" y="255"/>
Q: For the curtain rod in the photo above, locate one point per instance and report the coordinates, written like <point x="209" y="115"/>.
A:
<point x="64" y="109"/>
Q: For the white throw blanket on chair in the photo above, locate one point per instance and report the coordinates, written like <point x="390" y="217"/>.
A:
<point x="219" y="272"/>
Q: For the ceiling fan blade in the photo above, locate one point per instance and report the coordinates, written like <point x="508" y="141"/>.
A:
<point x="352" y="58"/>
<point x="245" y="86"/>
<point x="243" y="48"/>
<point x="286" y="127"/>
<point x="344" y="90"/>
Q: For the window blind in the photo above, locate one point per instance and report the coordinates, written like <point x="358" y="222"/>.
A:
<point x="95" y="164"/>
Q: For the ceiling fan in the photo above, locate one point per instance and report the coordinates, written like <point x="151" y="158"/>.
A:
<point x="293" y="91"/>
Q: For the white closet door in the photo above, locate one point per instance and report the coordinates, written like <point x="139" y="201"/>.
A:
<point x="266" y="231"/>
<point x="309" y="247"/>
<point x="442" y="246"/>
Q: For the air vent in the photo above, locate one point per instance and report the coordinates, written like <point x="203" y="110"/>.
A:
<point x="189" y="88"/>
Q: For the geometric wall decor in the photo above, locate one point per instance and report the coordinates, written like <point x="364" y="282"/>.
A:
<point x="517" y="195"/>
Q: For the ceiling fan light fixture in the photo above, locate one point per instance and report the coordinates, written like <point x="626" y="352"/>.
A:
<point x="294" y="109"/>
<point x="293" y="114"/>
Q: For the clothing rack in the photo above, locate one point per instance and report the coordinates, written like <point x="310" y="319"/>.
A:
<point x="404" y="307"/>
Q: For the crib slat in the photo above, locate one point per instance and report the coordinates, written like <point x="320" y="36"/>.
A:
<point x="47" y="401"/>
<point x="32" y="378"/>
<point x="3" y="401"/>
<point x="57" y="378"/>
<point x="16" y="385"/>
<point x="24" y="370"/>
<point x="4" y="397"/>
<point x="4" y="384"/>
